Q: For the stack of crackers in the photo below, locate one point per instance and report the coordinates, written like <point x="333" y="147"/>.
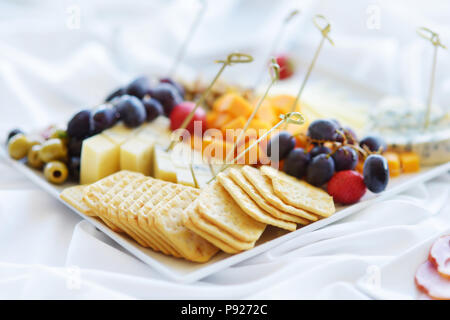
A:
<point x="229" y="214"/>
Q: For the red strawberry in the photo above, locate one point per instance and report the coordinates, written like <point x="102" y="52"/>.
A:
<point x="286" y="66"/>
<point x="347" y="186"/>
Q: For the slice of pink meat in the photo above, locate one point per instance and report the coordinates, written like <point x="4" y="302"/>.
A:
<point x="440" y="255"/>
<point x="429" y="281"/>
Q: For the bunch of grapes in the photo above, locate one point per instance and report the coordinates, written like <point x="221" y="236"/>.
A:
<point x="332" y="153"/>
<point x="132" y="104"/>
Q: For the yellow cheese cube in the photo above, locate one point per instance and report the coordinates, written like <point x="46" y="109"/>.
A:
<point x="99" y="158"/>
<point x="202" y="174"/>
<point x="119" y="133"/>
<point x="393" y="161"/>
<point x="137" y="155"/>
<point x="163" y="167"/>
<point x="410" y="162"/>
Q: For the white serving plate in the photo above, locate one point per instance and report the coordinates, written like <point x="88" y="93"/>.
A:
<point x="395" y="280"/>
<point x="181" y="270"/>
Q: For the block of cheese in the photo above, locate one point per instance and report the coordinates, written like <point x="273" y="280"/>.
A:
<point x="119" y="133"/>
<point x="182" y="157"/>
<point x="163" y="167"/>
<point x="136" y="155"/>
<point x="202" y="174"/>
<point x="99" y="158"/>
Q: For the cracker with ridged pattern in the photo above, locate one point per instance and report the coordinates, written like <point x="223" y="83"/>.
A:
<point x="168" y="220"/>
<point x="74" y="197"/>
<point x="208" y="227"/>
<point x="241" y="181"/>
<point x="249" y="206"/>
<point x="128" y="211"/>
<point x="113" y="210"/>
<point x="208" y="237"/>
<point x="300" y="194"/>
<point x="145" y="214"/>
<point x="217" y="206"/>
<point x="263" y="184"/>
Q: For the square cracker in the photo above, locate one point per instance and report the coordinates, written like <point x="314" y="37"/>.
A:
<point x="128" y="211"/>
<point x="239" y="179"/>
<point x="299" y="193"/>
<point x="105" y="198"/>
<point x="208" y="237"/>
<point x="249" y="206"/>
<point x="218" y="207"/>
<point x="217" y="236"/>
<point x="145" y="214"/>
<point x="113" y="208"/>
<point x="264" y="186"/>
<point x="169" y="221"/>
<point x="74" y="197"/>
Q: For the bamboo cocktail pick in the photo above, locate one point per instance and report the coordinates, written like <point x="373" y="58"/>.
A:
<point x="231" y="59"/>
<point x="318" y="21"/>
<point x="181" y="52"/>
<point x="433" y="37"/>
<point x="274" y="71"/>
<point x="276" y="42"/>
<point x="291" y="117"/>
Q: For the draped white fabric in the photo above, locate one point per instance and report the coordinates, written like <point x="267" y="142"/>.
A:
<point x="48" y="70"/>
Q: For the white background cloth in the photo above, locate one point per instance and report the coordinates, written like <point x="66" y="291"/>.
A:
<point x="49" y="69"/>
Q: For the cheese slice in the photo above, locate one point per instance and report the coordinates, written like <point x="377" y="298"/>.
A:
<point x="99" y="158"/>
<point x="119" y="134"/>
<point x="136" y="155"/>
<point x="163" y="167"/>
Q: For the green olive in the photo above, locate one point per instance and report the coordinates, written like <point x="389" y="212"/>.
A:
<point x="56" y="172"/>
<point x="53" y="149"/>
<point x="18" y="146"/>
<point x="60" y="134"/>
<point x="33" y="158"/>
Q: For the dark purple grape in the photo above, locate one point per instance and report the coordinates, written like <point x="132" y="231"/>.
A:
<point x="320" y="170"/>
<point x="296" y="163"/>
<point x="81" y="125"/>
<point x="116" y="93"/>
<point x="167" y="95"/>
<point x="320" y="149"/>
<point x="280" y="145"/>
<point x="323" y="130"/>
<point x="345" y="158"/>
<point x="139" y="87"/>
<point x="376" y="173"/>
<point x="350" y="135"/>
<point x="74" y="147"/>
<point x="374" y="143"/>
<point x="153" y="108"/>
<point x="104" y="118"/>
<point x="12" y="133"/>
<point x="177" y="85"/>
<point x="74" y="168"/>
<point x="131" y="111"/>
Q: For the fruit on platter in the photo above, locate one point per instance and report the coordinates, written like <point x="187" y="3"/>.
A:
<point x="286" y="66"/>
<point x="167" y="95"/>
<point x="139" y="87"/>
<point x="181" y="111"/>
<point x="346" y="187"/>
<point x="376" y="173"/>
<point x="131" y="111"/>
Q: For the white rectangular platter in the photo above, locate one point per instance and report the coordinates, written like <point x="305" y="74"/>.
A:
<point x="184" y="271"/>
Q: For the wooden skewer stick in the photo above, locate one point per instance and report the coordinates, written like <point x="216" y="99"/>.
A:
<point x="276" y="42"/>
<point x="274" y="71"/>
<point x="433" y="37"/>
<point x="291" y="117"/>
<point x="231" y="59"/>
<point x="317" y="20"/>
<point x="190" y="34"/>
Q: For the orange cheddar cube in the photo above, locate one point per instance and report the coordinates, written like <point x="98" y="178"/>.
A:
<point x="233" y="104"/>
<point x="283" y="103"/>
<point x="267" y="113"/>
<point x="211" y="119"/>
<point x="410" y="162"/>
<point x="237" y="123"/>
<point x="393" y="161"/>
<point x="222" y="118"/>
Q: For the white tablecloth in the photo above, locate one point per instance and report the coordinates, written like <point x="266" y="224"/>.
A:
<point x="47" y="71"/>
